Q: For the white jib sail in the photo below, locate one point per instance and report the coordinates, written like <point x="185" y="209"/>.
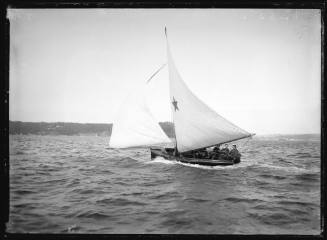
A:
<point x="196" y="125"/>
<point x="134" y="124"/>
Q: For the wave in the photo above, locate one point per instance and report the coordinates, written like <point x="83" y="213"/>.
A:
<point x="129" y="162"/>
<point x="277" y="219"/>
<point x="166" y="195"/>
<point x="25" y="206"/>
<point x="83" y="191"/>
<point x="120" y="202"/>
<point x="291" y="169"/>
<point x="193" y="199"/>
<point x="174" y="222"/>
<point x="282" y="206"/>
<point x="73" y="183"/>
<point x="308" y="177"/>
<point x="297" y="203"/>
<point x="24" y="192"/>
<point x="19" y="153"/>
<point x="247" y="200"/>
<point x="92" y="214"/>
<point x="277" y="177"/>
<point x="53" y="181"/>
<point x="304" y="155"/>
<point x="133" y="194"/>
<point x="284" y="160"/>
<point x="122" y="183"/>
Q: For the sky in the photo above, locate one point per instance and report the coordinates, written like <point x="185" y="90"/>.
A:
<point x="258" y="68"/>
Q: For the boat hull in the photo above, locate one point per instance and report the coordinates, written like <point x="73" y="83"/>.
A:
<point x="159" y="152"/>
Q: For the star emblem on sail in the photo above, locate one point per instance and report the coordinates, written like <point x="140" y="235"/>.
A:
<point x="174" y="102"/>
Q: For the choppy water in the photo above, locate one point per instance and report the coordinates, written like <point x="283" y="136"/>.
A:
<point x="75" y="184"/>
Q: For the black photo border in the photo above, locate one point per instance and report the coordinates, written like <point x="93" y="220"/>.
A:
<point x="4" y="106"/>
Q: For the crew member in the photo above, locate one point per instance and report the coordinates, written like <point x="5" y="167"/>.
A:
<point x="215" y="152"/>
<point x="224" y="152"/>
<point x="202" y="153"/>
<point x="216" y="148"/>
<point x="234" y="153"/>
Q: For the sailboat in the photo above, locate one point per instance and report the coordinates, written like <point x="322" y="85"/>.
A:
<point x="196" y="125"/>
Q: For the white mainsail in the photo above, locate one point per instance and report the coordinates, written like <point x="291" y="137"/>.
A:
<point x="135" y="125"/>
<point x="196" y="125"/>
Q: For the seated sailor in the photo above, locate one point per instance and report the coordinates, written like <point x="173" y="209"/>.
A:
<point x="224" y="152"/>
<point x="205" y="153"/>
<point x="234" y="153"/>
<point x="201" y="153"/>
<point x="197" y="154"/>
<point x="189" y="154"/>
<point x="216" y="148"/>
<point x="215" y="152"/>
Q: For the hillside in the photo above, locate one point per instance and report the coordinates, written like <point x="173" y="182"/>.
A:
<point x="65" y="128"/>
<point x="104" y="129"/>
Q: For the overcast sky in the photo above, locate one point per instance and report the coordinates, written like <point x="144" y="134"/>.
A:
<point x="260" y="69"/>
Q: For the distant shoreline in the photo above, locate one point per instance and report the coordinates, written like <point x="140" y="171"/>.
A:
<point x="104" y="129"/>
<point x="68" y="128"/>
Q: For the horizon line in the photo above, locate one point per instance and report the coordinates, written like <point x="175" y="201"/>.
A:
<point x="318" y="133"/>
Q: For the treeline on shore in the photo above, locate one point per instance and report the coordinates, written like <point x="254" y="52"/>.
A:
<point x="104" y="129"/>
<point x="65" y="128"/>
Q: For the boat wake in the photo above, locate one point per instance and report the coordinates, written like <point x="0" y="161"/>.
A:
<point x="290" y="169"/>
<point x="162" y="160"/>
<point x="229" y="167"/>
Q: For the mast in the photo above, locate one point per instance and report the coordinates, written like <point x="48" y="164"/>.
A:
<point x="167" y="45"/>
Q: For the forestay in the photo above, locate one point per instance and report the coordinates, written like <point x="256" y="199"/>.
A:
<point x="135" y="125"/>
<point x="196" y="125"/>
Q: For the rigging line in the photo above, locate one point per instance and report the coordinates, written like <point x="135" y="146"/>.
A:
<point x="148" y="81"/>
<point x="252" y="134"/>
<point x="156" y="72"/>
<point x="248" y="139"/>
<point x="221" y="143"/>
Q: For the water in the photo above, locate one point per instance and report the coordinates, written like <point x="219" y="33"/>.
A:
<point x="75" y="184"/>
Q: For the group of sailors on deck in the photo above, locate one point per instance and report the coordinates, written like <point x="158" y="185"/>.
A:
<point x="218" y="152"/>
